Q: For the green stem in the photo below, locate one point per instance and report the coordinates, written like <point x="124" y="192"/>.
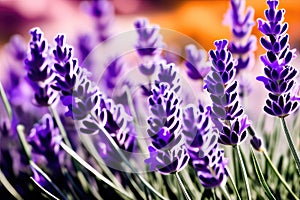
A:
<point x="116" y="147"/>
<point x="26" y="148"/>
<point x="92" y="170"/>
<point x="182" y="186"/>
<point x="291" y="144"/>
<point x="235" y="166"/>
<point x="243" y="171"/>
<point x="44" y="190"/>
<point x="234" y="186"/>
<point x="261" y="177"/>
<point x="60" y="125"/>
<point x="226" y="194"/>
<point x="5" y="102"/>
<point x="279" y="175"/>
<point x="9" y="187"/>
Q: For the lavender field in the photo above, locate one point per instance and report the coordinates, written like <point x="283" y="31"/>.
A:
<point x="102" y="99"/>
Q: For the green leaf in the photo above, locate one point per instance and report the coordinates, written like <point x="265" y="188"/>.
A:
<point x="261" y="177"/>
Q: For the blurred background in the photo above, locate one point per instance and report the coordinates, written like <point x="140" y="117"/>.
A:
<point x="199" y="19"/>
<point x="202" y="20"/>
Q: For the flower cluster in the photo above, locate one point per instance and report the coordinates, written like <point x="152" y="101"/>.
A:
<point x="38" y="65"/>
<point x="102" y="13"/>
<point x="243" y="44"/>
<point x="167" y="153"/>
<point x="44" y="139"/>
<point x="86" y="104"/>
<point x="201" y="140"/>
<point x="196" y="62"/>
<point x="149" y="45"/>
<point x="280" y="75"/>
<point x="227" y="113"/>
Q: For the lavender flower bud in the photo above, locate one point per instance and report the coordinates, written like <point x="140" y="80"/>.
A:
<point x="45" y="137"/>
<point x="38" y="65"/>
<point x="103" y="13"/>
<point x="200" y="137"/>
<point x="256" y="143"/>
<point x="243" y="44"/>
<point x="149" y="45"/>
<point x="201" y="140"/>
<point x="167" y="153"/>
<point x="149" y="39"/>
<point x="169" y="74"/>
<point x="93" y="111"/>
<point x="227" y="113"/>
<point x="212" y="169"/>
<point x="279" y="76"/>
<point x="196" y="63"/>
<point x="112" y="74"/>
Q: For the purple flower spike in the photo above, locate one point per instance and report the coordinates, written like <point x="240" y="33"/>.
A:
<point x="149" y="45"/>
<point x="17" y="48"/>
<point x="112" y="74"/>
<point x="196" y="62"/>
<point x="169" y="74"/>
<point x="200" y="137"/>
<point x="93" y="111"/>
<point x="167" y="153"/>
<point x="280" y="75"/>
<point x="201" y="140"/>
<point x="149" y="40"/>
<point x="103" y="13"/>
<point x="227" y="113"/>
<point x="235" y="133"/>
<point x="243" y="45"/>
<point x="45" y="137"/>
<point x="38" y="65"/>
<point x="212" y="169"/>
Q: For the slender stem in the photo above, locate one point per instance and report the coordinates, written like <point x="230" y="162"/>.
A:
<point x="44" y="190"/>
<point x="9" y="187"/>
<point x="116" y="147"/>
<point x="260" y="176"/>
<point x="60" y="125"/>
<point x="92" y="170"/>
<point x="234" y="186"/>
<point x="226" y="194"/>
<point x="291" y="144"/>
<point x="21" y="135"/>
<point x="26" y="148"/>
<point x="92" y="150"/>
<point x="278" y="174"/>
<point x="5" y="102"/>
<point x="235" y="166"/>
<point x="243" y="171"/>
<point x="182" y="187"/>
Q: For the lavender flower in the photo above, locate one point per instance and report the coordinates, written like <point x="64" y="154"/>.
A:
<point x="196" y="63"/>
<point x="200" y="137"/>
<point x="17" y="48"/>
<point x="279" y="73"/>
<point x="212" y="169"/>
<point x="103" y="13"/>
<point x="86" y="104"/>
<point x="38" y="65"/>
<point x="201" y="140"/>
<point x="149" y="45"/>
<point x="227" y="113"/>
<point x="169" y="74"/>
<point x="44" y="139"/>
<point x="256" y="143"/>
<point x="243" y="45"/>
<point x="167" y="152"/>
<point x="112" y="73"/>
